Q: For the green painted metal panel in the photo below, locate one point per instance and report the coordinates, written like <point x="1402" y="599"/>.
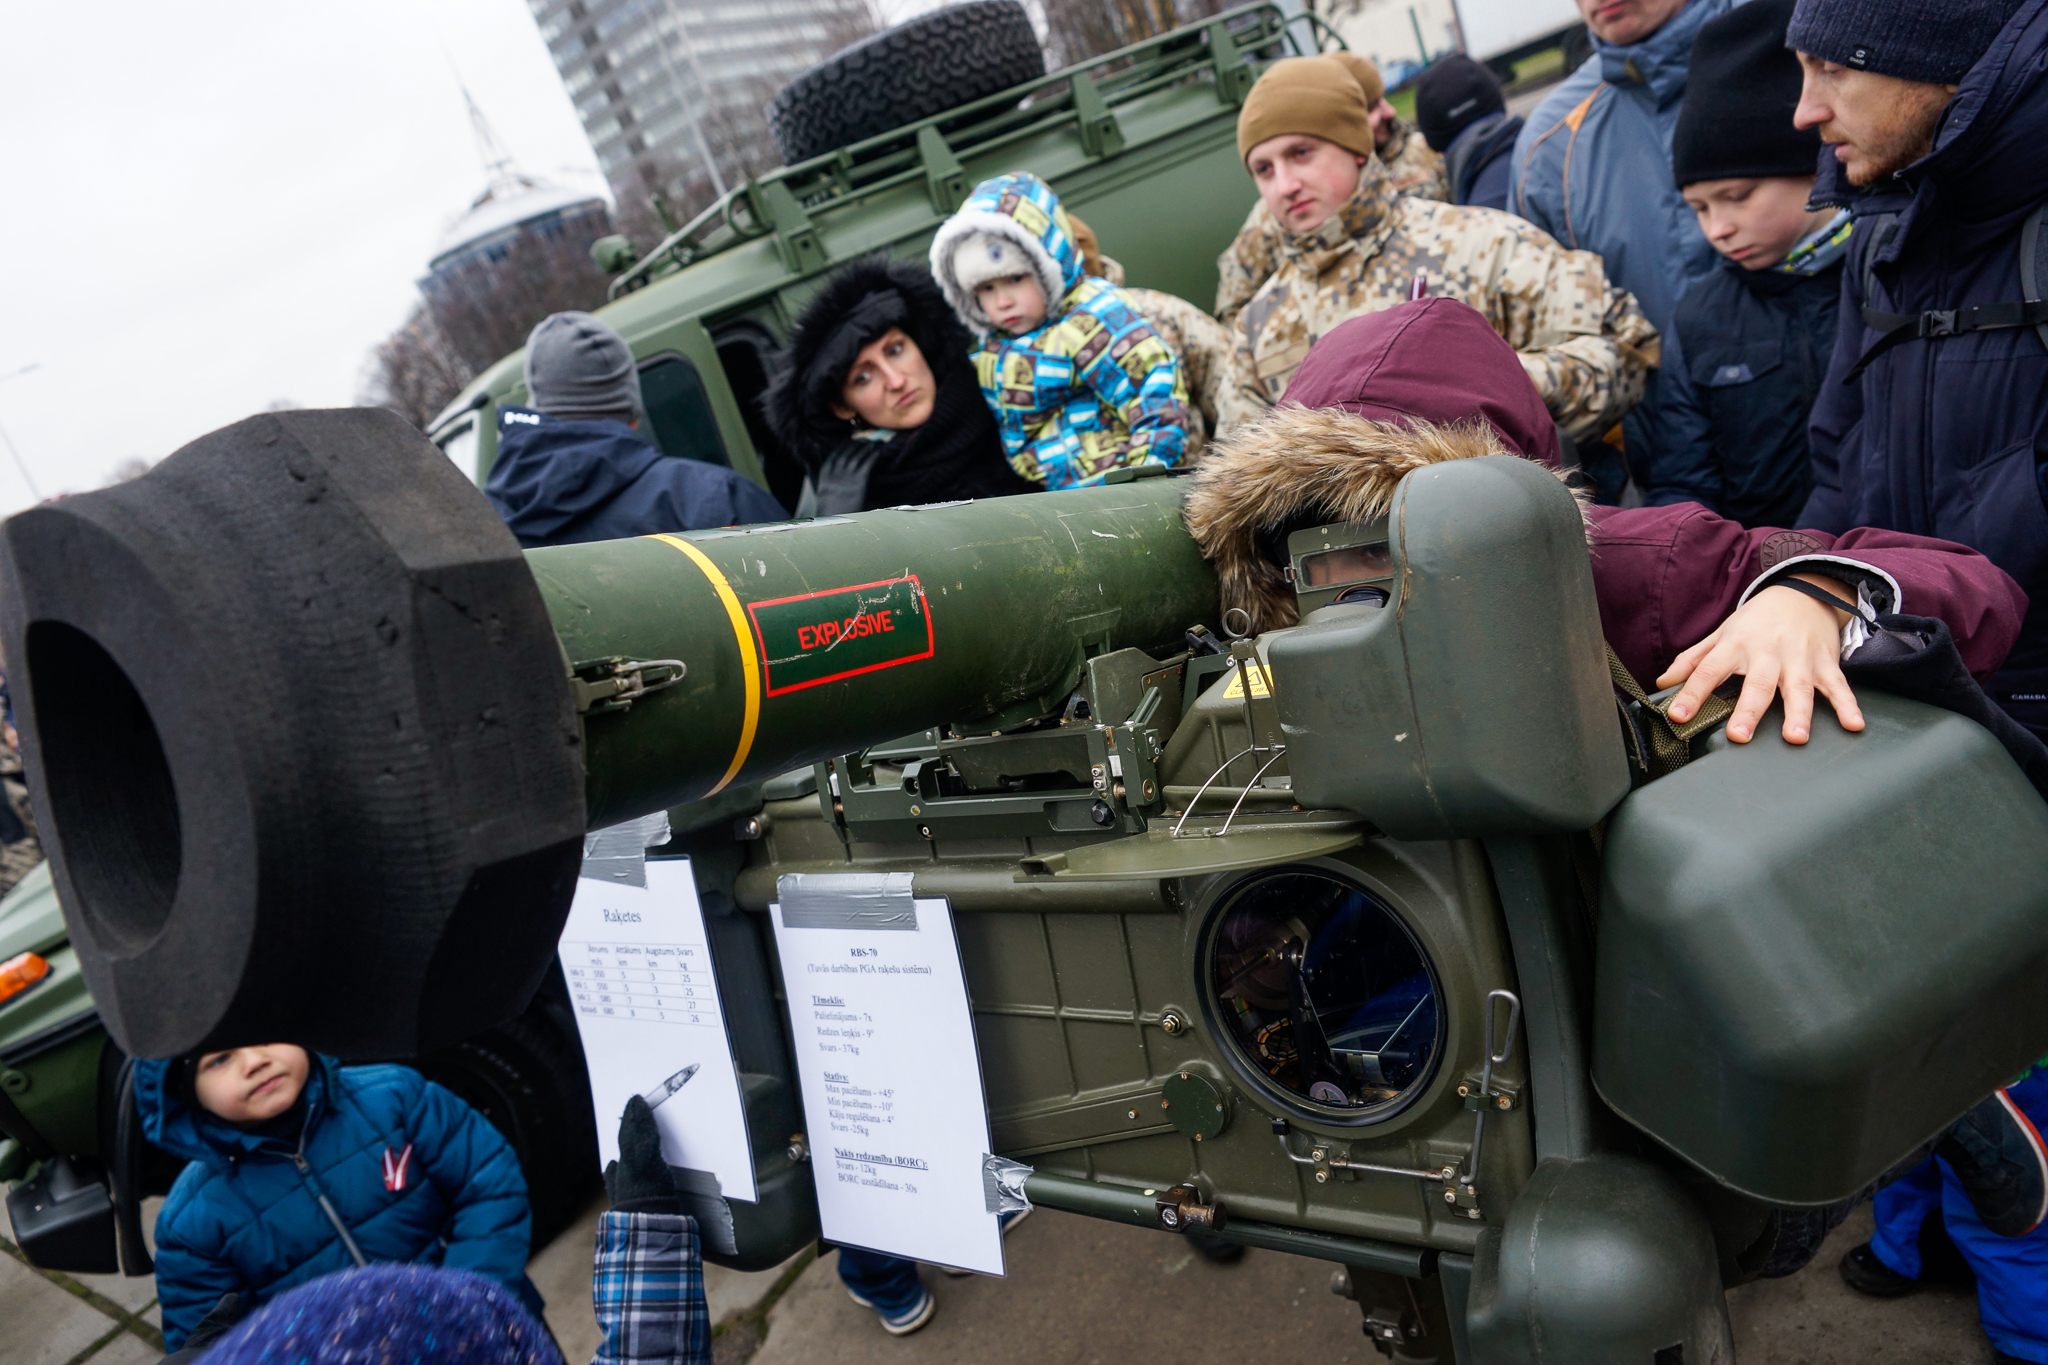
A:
<point x="1812" y="958"/>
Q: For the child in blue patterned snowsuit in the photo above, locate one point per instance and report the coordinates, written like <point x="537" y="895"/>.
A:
<point x="1079" y="382"/>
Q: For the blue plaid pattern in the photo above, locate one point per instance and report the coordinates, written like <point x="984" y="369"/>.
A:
<point x="648" y="1287"/>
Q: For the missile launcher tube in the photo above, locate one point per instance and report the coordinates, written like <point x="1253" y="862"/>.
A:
<point x="295" y="709"/>
<point x="806" y="640"/>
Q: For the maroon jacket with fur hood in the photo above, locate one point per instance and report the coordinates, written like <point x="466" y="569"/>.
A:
<point x="1388" y="392"/>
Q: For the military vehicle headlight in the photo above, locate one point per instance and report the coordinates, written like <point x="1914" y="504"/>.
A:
<point x="1327" y="998"/>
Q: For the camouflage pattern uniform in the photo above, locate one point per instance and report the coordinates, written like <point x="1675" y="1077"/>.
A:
<point x="1208" y="360"/>
<point x="1255" y="252"/>
<point x="1584" y="342"/>
<point x="20" y="850"/>
<point x="1412" y="166"/>
<point x="1207" y="349"/>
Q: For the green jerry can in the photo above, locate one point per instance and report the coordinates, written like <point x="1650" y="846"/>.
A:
<point x="1351" y="940"/>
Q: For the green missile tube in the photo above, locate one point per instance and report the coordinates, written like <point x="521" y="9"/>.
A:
<point x="297" y="708"/>
<point x="805" y="640"/>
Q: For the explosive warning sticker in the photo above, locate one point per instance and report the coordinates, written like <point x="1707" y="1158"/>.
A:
<point x="821" y="637"/>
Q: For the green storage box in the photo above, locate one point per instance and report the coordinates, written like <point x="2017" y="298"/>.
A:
<point x="1807" y="963"/>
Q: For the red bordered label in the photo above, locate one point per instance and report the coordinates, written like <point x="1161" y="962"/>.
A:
<point x="821" y="637"/>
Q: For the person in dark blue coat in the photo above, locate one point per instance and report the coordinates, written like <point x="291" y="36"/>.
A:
<point x="1460" y="112"/>
<point x="1936" y="114"/>
<point x="1933" y="419"/>
<point x="574" y="466"/>
<point x="1749" y="342"/>
<point x="300" y="1167"/>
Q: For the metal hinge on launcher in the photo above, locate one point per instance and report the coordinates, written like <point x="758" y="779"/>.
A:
<point x="615" y="683"/>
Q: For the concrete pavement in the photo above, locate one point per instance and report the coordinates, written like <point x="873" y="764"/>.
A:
<point x="1078" y="1291"/>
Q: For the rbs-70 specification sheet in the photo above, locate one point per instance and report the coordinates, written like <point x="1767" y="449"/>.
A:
<point x="891" y="1080"/>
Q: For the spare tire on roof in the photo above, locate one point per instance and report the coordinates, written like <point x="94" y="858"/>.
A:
<point x="299" y="735"/>
<point x="921" y="67"/>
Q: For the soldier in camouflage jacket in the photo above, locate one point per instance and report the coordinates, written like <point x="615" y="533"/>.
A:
<point x="1584" y="343"/>
<point x="1412" y="167"/>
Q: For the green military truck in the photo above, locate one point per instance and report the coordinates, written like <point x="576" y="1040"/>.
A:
<point x="1141" y="141"/>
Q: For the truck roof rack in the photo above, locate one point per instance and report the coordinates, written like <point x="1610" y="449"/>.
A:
<point x="785" y="202"/>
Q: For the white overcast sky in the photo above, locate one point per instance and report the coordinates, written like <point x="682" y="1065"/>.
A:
<point x="221" y="204"/>
<point x="214" y="206"/>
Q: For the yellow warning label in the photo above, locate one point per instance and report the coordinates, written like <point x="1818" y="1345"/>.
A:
<point x="1259" y="685"/>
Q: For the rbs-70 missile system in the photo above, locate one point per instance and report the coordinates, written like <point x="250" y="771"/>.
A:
<point x="1362" y="940"/>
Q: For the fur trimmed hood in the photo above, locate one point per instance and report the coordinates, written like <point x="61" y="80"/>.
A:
<point x="1019" y="210"/>
<point x="858" y="303"/>
<point x="1378" y="397"/>
<point x="1321" y="463"/>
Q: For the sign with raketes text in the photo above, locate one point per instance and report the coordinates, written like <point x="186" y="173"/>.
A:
<point x="821" y="637"/>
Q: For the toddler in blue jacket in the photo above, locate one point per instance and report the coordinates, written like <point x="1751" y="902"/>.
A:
<point x="301" y="1167"/>
<point x="1079" y="382"/>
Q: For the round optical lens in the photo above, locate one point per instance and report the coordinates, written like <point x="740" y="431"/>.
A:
<point x="1326" y="993"/>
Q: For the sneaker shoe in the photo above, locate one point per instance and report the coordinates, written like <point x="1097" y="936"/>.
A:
<point x="1864" y="1273"/>
<point x="2002" y="1164"/>
<point x="901" y="1324"/>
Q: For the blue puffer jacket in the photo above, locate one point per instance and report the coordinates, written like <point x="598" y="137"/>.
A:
<point x="1946" y="437"/>
<point x="558" y="481"/>
<point x="1592" y="168"/>
<point x="415" y="1174"/>
<point x="1593" y="164"/>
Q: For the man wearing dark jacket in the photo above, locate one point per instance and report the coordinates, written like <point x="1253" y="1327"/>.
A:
<point x="1592" y="167"/>
<point x="1459" y="109"/>
<point x="1934" y="415"/>
<point x="1749" y="342"/>
<point x="574" y="466"/>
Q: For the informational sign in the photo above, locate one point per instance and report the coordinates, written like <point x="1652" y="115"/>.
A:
<point x="891" y="1080"/>
<point x="639" y="968"/>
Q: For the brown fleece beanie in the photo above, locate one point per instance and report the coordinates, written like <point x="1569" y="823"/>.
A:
<point x="1365" y="73"/>
<point x="1312" y="95"/>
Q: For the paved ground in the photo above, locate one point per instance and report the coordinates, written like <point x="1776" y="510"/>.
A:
<point x="1078" y="1291"/>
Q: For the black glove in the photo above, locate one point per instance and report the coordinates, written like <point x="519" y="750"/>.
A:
<point x="639" y="1182"/>
<point x="1916" y="657"/>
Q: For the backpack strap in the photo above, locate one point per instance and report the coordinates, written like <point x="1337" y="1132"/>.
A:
<point x="1658" y="745"/>
<point x="1898" y="328"/>
<point x="2034" y="260"/>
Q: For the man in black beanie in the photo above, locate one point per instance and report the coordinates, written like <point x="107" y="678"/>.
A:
<point x="1750" y="342"/>
<point x="1934" y="416"/>
<point x="1458" y="108"/>
<point x="1933" y="420"/>
<point x="574" y="466"/>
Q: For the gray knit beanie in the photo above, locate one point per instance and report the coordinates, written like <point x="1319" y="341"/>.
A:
<point x="577" y="366"/>
<point x="1936" y="41"/>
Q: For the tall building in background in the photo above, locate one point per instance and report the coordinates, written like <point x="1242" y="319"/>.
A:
<point x="673" y="93"/>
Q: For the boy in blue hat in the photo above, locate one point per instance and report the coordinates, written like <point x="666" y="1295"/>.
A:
<point x="301" y="1167"/>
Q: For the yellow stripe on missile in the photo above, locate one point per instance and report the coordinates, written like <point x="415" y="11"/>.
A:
<point x="749" y="666"/>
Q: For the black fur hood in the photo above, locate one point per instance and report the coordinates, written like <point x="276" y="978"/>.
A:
<point x="858" y="303"/>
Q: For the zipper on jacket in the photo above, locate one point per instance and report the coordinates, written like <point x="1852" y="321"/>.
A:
<point x="326" y="1205"/>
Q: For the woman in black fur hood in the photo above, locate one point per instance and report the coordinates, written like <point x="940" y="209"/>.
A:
<point x="877" y="398"/>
